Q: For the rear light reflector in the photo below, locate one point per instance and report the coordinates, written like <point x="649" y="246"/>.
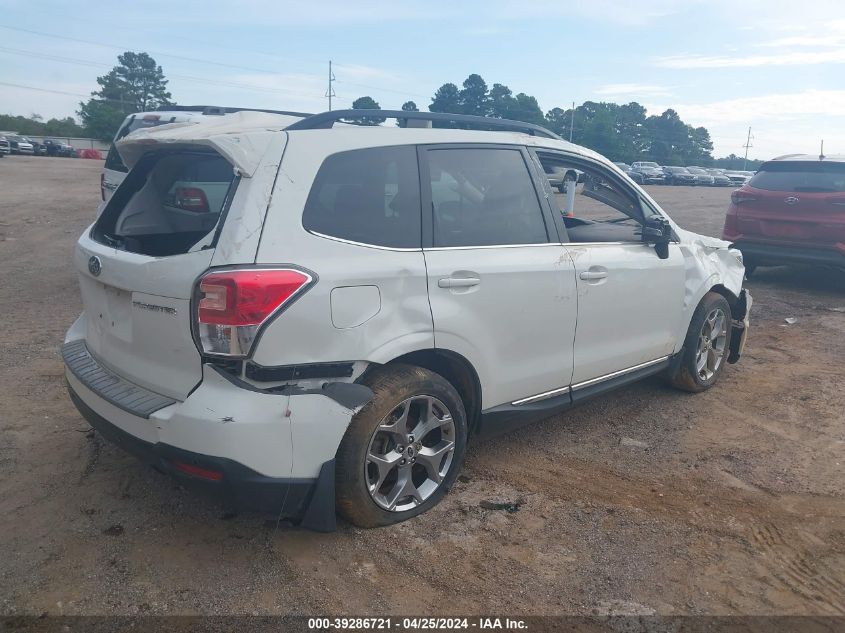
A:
<point x="739" y="197"/>
<point x="233" y="305"/>
<point x="190" y="199"/>
<point x="196" y="471"/>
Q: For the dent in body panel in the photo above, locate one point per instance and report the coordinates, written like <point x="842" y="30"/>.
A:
<point x="241" y="233"/>
<point x="708" y="262"/>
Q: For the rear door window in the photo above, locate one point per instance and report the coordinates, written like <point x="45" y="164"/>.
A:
<point x="483" y="197"/>
<point x="803" y="176"/>
<point x="369" y="196"/>
<point x="170" y="203"/>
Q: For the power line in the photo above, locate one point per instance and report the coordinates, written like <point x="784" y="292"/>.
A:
<point x="216" y="82"/>
<point x="185" y="58"/>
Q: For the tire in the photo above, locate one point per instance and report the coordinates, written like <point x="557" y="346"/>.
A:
<point x="688" y="374"/>
<point x="407" y="478"/>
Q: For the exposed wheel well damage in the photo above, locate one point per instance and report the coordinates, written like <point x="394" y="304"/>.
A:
<point x="727" y="294"/>
<point x="457" y="370"/>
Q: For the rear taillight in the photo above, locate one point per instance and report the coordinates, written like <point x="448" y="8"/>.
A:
<point x="233" y="305"/>
<point x="730" y="231"/>
<point x="740" y="197"/>
<point x="190" y="199"/>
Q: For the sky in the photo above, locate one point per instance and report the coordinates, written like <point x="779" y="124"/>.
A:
<point x="776" y="66"/>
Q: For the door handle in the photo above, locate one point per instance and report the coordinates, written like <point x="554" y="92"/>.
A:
<point x="458" y="282"/>
<point x="109" y="185"/>
<point x="589" y="275"/>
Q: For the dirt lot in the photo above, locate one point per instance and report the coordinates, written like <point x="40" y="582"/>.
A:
<point x="736" y="505"/>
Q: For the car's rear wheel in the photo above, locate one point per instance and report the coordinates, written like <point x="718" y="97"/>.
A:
<point x="706" y="346"/>
<point x="403" y="451"/>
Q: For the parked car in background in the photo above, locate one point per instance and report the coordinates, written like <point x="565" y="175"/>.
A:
<point x="636" y="176"/>
<point x="5" y="148"/>
<point x="58" y="148"/>
<point x="38" y="149"/>
<point x="676" y="175"/>
<point x="701" y="176"/>
<point x="19" y="145"/>
<point x="738" y="178"/>
<point x="651" y="172"/>
<point x="332" y="338"/>
<point x="719" y="178"/>
<point x="791" y="211"/>
<point x="114" y="171"/>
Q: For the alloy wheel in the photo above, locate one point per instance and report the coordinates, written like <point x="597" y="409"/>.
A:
<point x="410" y="453"/>
<point x="711" y="344"/>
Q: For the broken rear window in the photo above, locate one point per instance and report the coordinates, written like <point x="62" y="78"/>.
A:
<point x="170" y="203"/>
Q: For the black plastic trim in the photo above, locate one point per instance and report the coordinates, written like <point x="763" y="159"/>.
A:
<point x="280" y="373"/>
<point x="351" y="395"/>
<point x="507" y="417"/>
<point x="325" y="120"/>
<point x="108" y="385"/>
<point x="217" y="110"/>
<point x="580" y="394"/>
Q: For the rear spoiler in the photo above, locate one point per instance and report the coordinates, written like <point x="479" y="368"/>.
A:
<point x="242" y="138"/>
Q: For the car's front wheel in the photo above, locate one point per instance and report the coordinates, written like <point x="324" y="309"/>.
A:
<point x="706" y="345"/>
<point x="403" y="451"/>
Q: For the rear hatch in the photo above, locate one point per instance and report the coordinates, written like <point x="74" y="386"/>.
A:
<point x="139" y="263"/>
<point x="794" y="201"/>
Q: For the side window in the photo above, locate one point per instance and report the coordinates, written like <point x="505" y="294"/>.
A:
<point x="596" y="207"/>
<point x="483" y="197"/>
<point x="113" y="160"/>
<point x="369" y="195"/>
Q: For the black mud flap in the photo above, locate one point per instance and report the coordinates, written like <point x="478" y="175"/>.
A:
<point x="320" y="513"/>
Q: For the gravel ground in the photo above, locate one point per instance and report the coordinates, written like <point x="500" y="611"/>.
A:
<point x="732" y="504"/>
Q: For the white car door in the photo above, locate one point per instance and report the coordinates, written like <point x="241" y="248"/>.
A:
<point x="501" y="286"/>
<point x="630" y="300"/>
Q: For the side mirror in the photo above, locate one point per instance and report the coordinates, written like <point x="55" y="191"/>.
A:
<point x="658" y="231"/>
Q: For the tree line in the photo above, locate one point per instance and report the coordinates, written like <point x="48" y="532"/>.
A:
<point x="622" y="132"/>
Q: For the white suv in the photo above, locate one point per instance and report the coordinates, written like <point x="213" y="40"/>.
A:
<point x="317" y="316"/>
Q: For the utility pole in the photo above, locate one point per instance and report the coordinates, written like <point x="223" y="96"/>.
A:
<point x="330" y="92"/>
<point x="571" y="121"/>
<point x="746" y="146"/>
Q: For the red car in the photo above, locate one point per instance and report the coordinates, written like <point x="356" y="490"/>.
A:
<point x="791" y="211"/>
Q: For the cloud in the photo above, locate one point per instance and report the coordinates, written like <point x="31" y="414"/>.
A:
<point x="633" y="90"/>
<point x="790" y="58"/>
<point x="771" y="107"/>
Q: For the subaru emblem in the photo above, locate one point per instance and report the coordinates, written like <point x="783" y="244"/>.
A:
<point x="95" y="266"/>
<point x="791" y="200"/>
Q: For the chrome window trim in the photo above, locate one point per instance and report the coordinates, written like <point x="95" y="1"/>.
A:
<point x="465" y="248"/>
<point x="365" y="244"/>
<point x="621" y="372"/>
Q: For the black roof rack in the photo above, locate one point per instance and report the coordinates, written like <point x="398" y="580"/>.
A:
<point x="219" y="110"/>
<point x="326" y="120"/>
